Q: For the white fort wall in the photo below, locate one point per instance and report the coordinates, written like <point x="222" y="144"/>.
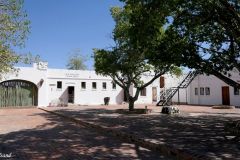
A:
<point x="148" y="97"/>
<point x="215" y="85"/>
<point x="49" y="94"/>
<point x="35" y="76"/>
<point x="83" y="96"/>
<point x="173" y="81"/>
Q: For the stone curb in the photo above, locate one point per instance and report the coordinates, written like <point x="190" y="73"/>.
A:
<point x="164" y="149"/>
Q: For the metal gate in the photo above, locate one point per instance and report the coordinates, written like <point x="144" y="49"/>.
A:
<point x="16" y="93"/>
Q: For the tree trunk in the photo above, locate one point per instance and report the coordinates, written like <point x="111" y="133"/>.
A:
<point x="131" y="104"/>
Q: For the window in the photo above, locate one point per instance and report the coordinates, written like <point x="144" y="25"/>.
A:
<point x="104" y="85"/>
<point x="236" y="91"/>
<point x="143" y="92"/>
<point x="83" y="85"/>
<point x="59" y="84"/>
<point x="94" y="85"/>
<point x="207" y="91"/>
<point x="201" y="91"/>
<point x="196" y="91"/>
<point x="113" y="85"/>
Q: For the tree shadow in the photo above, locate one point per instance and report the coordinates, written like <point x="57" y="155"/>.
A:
<point x="61" y="139"/>
<point x="202" y="134"/>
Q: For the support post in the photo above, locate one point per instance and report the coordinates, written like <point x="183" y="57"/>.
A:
<point x="178" y="97"/>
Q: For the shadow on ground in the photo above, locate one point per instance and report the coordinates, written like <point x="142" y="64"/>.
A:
<point x="60" y="139"/>
<point x="202" y="134"/>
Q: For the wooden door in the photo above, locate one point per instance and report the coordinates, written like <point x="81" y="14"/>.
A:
<point x="225" y="95"/>
<point x="71" y="94"/>
<point x="162" y="82"/>
<point x="16" y="93"/>
<point x="154" y="94"/>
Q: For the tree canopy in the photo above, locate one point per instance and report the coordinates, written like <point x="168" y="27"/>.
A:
<point x="14" y="28"/>
<point x="76" y="61"/>
<point x="209" y="30"/>
<point x="127" y="63"/>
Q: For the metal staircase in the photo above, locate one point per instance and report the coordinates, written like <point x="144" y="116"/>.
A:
<point x="166" y="96"/>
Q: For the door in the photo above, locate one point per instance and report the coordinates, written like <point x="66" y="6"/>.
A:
<point x="154" y="94"/>
<point x="18" y="93"/>
<point x="225" y="95"/>
<point x="162" y="82"/>
<point x="70" y="94"/>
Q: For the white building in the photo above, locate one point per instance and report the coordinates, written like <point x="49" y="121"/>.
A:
<point x="206" y="90"/>
<point x="41" y="86"/>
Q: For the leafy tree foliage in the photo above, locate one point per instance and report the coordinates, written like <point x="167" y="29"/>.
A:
<point x="14" y="28"/>
<point x="214" y="31"/>
<point x="76" y="61"/>
<point x="127" y="63"/>
<point x="29" y="58"/>
<point x="209" y="30"/>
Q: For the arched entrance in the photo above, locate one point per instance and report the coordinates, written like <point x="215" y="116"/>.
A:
<point x="15" y="93"/>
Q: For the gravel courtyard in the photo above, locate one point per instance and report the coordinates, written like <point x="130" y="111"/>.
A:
<point x="32" y="134"/>
<point x="197" y="129"/>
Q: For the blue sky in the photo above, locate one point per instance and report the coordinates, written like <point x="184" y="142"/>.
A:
<point x="60" y="26"/>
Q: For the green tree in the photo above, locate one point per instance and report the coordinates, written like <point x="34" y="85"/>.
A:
<point x="13" y="31"/>
<point x="209" y="28"/>
<point x="76" y="61"/>
<point x="29" y="58"/>
<point x="127" y="64"/>
<point x="214" y="31"/>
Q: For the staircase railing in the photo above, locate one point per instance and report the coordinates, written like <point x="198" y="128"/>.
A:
<point x="166" y="96"/>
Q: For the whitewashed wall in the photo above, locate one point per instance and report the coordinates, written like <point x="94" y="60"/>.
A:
<point x="173" y="81"/>
<point x="215" y="85"/>
<point x="35" y="76"/>
<point x="88" y="96"/>
<point x="148" y="98"/>
<point x="48" y="92"/>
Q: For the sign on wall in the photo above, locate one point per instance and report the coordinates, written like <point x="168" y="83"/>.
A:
<point x="72" y="75"/>
<point x="42" y="65"/>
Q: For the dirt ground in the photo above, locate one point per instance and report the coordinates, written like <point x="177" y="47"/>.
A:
<point x="32" y="134"/>
<point x="197" y="129"/>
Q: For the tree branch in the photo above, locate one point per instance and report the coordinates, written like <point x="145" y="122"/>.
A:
<point x="153" y="79"/>
<point x="225" y="79"/>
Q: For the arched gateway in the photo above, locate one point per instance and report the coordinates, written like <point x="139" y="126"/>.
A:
<point x="17" y="93"/>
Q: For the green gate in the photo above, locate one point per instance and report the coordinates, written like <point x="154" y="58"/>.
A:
<point x="16" y="93"/>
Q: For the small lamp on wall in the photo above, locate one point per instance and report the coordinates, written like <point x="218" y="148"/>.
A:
<point x="40" y="83"/>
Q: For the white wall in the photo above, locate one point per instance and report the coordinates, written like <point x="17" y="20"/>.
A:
<point x="148" y="98"/>
<point x="48" y="92"/>
<point x="32" y="75"/>
<point x="173" y="81"/>
<point x="215" y="85"/>
<point x="88" y="96"/>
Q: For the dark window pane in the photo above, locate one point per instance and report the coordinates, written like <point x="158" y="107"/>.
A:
<point x="59" y="84"/>
<point x="104" y="85"/>
<point x="196" y="91"/>
<point x="236" y="91"/>
<point x="201" y="91"/>
<point x="83" y="85"/>
<point x="94" y="85"/>
<point x="113" y="85"/>
<point x="143" y="92"/>
<point x="207" y="91"/>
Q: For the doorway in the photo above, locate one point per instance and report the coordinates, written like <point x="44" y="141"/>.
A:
<point x="18" y="93"/>
<point x="162" y="82"/>
<point x="70" y="94"/>
<point x="225" y="95"/>
<point x="154" y="94"/>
